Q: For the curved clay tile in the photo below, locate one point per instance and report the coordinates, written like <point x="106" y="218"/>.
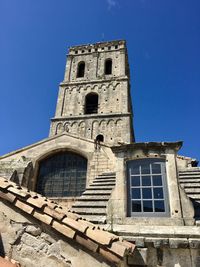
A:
<point x="66" y="222"/>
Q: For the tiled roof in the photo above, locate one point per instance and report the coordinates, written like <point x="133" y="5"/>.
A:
<point x="6" y="263"/>
<point x="68" y="223"/>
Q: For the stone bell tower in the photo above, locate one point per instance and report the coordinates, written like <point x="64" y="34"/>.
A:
<point x="94" y="99"/>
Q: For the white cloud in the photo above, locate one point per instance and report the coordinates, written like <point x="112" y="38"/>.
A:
<point x="111" y="3"/>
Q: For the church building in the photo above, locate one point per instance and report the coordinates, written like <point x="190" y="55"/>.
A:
<point x="89" y="194"/>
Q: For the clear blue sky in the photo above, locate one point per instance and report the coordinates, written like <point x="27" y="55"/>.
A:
<point x="163" y="38"/>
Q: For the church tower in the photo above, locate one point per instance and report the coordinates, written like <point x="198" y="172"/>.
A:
<point x="94" y="99"/>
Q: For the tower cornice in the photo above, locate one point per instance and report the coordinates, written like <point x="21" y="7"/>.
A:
<point x="112" y="79"/>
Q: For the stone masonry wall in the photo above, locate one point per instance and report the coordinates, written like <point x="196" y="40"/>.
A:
<point x="113" y="119"/>
<point x="33" y="244"/>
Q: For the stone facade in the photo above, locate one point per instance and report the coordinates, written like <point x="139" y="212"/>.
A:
<point x="144" y="192"/>
<point x="113" y="118"/>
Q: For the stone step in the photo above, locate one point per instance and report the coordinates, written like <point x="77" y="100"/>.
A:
<point x="98" y="204"/>
<point x="90" y="211"/>
<point x="109" y="174"/>
<point x="189" y="173"/>
<point x="110" y="185"/>
<point x="104" y="179"/>
<point x="99" y="192"/>
<point x="99" y="187"/>
<point x="192" y="180"/>
<point x="96" y="219"/>
<point x="189" y="185"/>
<point x="191" y="169"/>
<point x="112" y="182"/>
<point x="94" y="198"/>
<point x="192" y="190"/>
<point x="189" y="177"/>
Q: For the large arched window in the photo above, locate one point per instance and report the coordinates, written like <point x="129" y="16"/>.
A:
<point x="108" y="66"/>
<point x="91" y="103"/>
<point x="81" y="69"/>
<point x="147" y="188"/>
<point x="62" y="175"/>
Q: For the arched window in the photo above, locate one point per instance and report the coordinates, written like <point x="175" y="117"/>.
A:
<point x="81" y="69"/>
<point x="100" y="138"/>
<point x="147" y="188"/>
<point x="108" y="66"/>
<point x="62" y="175"/>
<point x="91" y="103"/>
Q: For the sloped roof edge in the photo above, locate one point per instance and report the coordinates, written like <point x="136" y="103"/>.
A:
<point x="66" y="222"/>
<point x="47" y="140"/>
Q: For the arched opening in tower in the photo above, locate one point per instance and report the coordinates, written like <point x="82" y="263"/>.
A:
<point x="81" y="69"/>
<point x="99" y="138"/>
<point x="91" y="103"/>
<point x="108" y="66"/>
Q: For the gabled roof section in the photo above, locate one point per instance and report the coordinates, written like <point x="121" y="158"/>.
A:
<point x="48" y="139"/>
<point x="66" y="222"/>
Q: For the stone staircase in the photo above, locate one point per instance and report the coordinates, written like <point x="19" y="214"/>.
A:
<point x="93" y="202"/>
<point x="189" y="179"/>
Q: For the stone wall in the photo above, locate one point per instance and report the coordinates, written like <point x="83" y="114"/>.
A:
<point x="99" y="160"/>
<point x="113" y="118"/>
<point x="33" y="244"/>
<point x="181" y="210"/>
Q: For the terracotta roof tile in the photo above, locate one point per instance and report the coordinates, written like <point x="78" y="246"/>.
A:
<point x="7" y="263"/>
<point x="63" y="229"/>
<point x="37" y="201"/>
<point x="73" y="216"/>
<point x="23" y="206"/>
<point x="86" y="223"/>
<point x="86" y="242"/>
<point x="18" y="191"/>
<point x="102" y="237"/>
<point x="4" y="183"/>
<point x="8" y="196"/>
<point x="53" y="213"/>
<point x="68" y="213"/>
<point x="66" y="222"/>
<point x="42" y="217"/>
<point x="108" y="255"/>
<point x="74" y="224"/>
<point x="130" y="246"/>
<point x="51" y="204"/>
<point x="120" y="249"/>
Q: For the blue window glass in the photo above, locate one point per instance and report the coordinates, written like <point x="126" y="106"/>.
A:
<point x="147" y="192"/>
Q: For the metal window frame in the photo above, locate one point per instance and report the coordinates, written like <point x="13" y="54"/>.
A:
<point x="61" y="171"/>
<point x="164" y="186"/>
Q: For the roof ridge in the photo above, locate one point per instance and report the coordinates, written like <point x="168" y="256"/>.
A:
<point x="66" y="222"/>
